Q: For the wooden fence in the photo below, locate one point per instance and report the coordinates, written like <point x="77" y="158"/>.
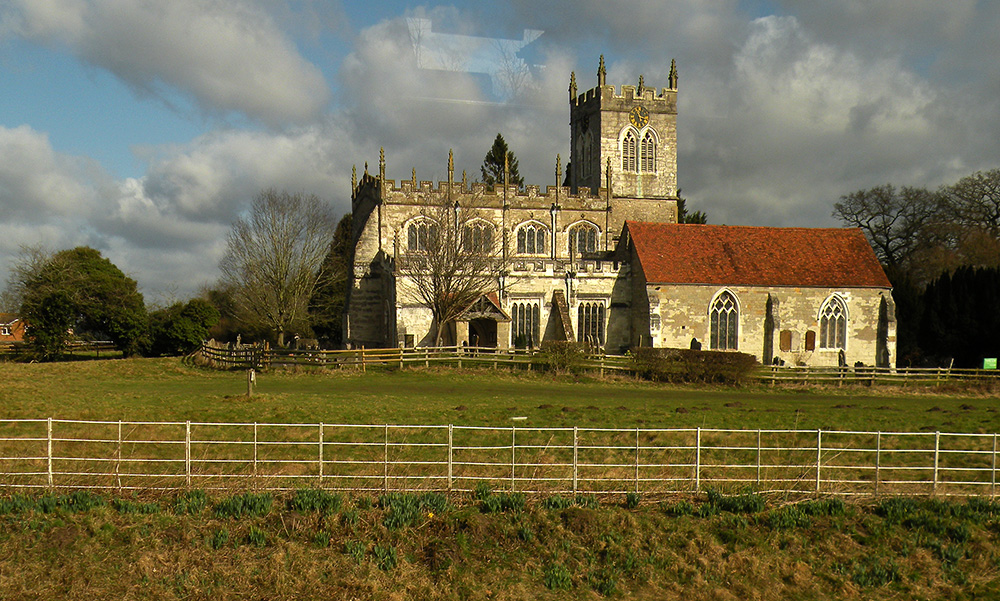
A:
<point x="16" y="350"/>
<point x="119" y="455"/>
<point x="258" y="357"/>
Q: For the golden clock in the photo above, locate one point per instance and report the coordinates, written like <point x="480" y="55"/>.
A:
<point x="638" y="116"/>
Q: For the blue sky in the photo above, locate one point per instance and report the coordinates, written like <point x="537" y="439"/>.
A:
<point x="142" y="128"/>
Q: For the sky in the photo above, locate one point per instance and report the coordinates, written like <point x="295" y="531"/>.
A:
<point x="144" y="128"/>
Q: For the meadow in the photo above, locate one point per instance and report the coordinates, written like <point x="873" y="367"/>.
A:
<point x="171" y="390"/>
<point x="308" y="543"/>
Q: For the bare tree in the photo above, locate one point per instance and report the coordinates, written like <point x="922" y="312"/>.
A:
<point x="453" y="255"/>
<point x="274" y="259"/>
<point x="894" y="221"/>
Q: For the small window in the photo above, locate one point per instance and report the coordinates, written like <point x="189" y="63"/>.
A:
<point x="785" y="341"/>
<point x="811" y="340"/>
<point x="4" y="330"/>
<point x="531" y="239"/>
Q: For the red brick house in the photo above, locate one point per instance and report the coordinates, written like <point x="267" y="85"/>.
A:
<point x="11" y="328"/>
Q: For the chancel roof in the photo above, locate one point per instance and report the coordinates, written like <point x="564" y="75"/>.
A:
<point x="729" y="255"/>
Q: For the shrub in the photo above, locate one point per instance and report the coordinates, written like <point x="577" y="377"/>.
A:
<point x="245" y="505"/>
<point x="16" y="504"/>
<point x="385" y="557"/>
<point x="682" y="365"/>
<point x="482" y="491"/>
<point x="313" y="499"/>
<point x="191" y="502"/>
<point x="219" y="539"/>
<point x="349" y="518"/>
<point x="604" y="581"/>
<point x="874" y="571"/>
<point x="587" y="501"/>
<point x="256" y="537"/>
<point x="504" y="502"/>
<point x="742" y="503"/>
<point x="677" y="509"/>
<point x="556" y="502"/>
<point x="321" y="538"/>
<point x="557" y="578"/>
<point x="407" y="509"/>
<point x="561" y="356"/>
<point x="632" y="500"/>
<point x="356" y="550"/>
<point x="127" y="506"/>
<point x="525" y="534"/>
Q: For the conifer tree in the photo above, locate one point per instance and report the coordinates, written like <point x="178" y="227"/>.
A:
<point x="492" y="168"/>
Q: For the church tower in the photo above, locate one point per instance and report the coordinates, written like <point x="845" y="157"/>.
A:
<point x="634" y="131"/>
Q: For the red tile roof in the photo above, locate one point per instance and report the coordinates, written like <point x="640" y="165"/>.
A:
<point x="756" y="256"/>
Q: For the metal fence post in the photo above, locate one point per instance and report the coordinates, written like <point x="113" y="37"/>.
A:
<point x="993" y="479"/>
<point x="819" y="456"/>
<point x="321" y="454"/>
<point x="451" y="455"/>
<point x="878" y="458"/>
<point x="937" y="452"/>
<point x="255" y="450"/>
<point x="187" y="453"/>
<point x="49" y="450"/>
<point x="636" y="458"/>
<point x="697" y="461"/>
<point x="576" y="458"/>
<point x="118" y="457"/>
<point x="385" y="461"/>
<point x="513" y="434"/>
<point x="758" y="456"/>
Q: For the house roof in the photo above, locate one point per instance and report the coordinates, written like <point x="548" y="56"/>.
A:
<point x="8" y="318"/>
<point x="756" y="256"/>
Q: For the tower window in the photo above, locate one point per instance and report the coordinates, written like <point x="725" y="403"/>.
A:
<point x="629" y="158"/>
<point x="531" y="239"/>
<point x="833" y="324"/>
<point x="647" y="153"/>
<point x="725" y="316"/>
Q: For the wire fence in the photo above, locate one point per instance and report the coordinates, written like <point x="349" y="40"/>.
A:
<point x="121" y="455"/>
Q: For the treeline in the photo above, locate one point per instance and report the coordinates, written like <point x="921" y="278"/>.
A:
<point x="941" y="251"/>
<point x="77" y="294"/>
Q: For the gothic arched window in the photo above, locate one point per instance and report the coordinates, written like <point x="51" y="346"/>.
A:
<point x="531" y="239"/>
<point x="420" y="235"/>
<point x="629" y="156"/>
<point x="477" y="237"/>
<point x="724" y="318"/>
<point x="590" y="323"/>
<point x="647" y="153"/>
<point x="583" y="239"/>
<point x="833" y="324"/>
<point x="524" y="320"/>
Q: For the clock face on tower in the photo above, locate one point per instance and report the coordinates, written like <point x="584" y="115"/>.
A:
<point x="638" y="116"/>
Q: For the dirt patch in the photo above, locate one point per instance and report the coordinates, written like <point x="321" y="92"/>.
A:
<point x="844" y="406"/>
<point x="568" y="410"/>
<point x="579" y="520"/>
<point x="622" y="408"/>
<point x="461" y="408"/>
<point x="734" y="405"/>
<point x="546" y="406"/>
<point x="934" y="409"/>
<point x="966" y="407"/>
<point x="682" y="410"/>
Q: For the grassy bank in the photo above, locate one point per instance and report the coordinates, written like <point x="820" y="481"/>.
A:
<point x="167" y="389"/>
<point x="497" y="546"/>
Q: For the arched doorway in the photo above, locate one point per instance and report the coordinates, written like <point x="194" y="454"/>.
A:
<point x="483" y="332"/>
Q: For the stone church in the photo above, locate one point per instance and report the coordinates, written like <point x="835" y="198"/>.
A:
<point x="601" y="259"/>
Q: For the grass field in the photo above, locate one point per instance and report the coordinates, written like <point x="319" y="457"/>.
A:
<point x="167" y="389"/>
<point x="692" y="547"/>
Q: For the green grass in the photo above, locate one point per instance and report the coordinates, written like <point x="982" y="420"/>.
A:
<point x="167" y="389"/>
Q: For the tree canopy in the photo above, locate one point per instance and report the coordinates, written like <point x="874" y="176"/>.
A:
<point x="79" y="293"/>
<point x="181" y="327"/>
<point x="492" y="169"/>
<point x="275" y="259"/>
<point x="683" y="216"/>
<point x="326" y="307"/>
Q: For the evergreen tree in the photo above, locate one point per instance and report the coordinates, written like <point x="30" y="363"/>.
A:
<point x="492" y="168"/>
<point x="683" y="216"/>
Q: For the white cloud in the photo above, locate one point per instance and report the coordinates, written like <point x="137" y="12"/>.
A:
<point x="229" y="55"/>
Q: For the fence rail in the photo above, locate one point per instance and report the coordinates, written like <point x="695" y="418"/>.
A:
<point x="246" y="357"/>
<point x="120" y="455"/>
